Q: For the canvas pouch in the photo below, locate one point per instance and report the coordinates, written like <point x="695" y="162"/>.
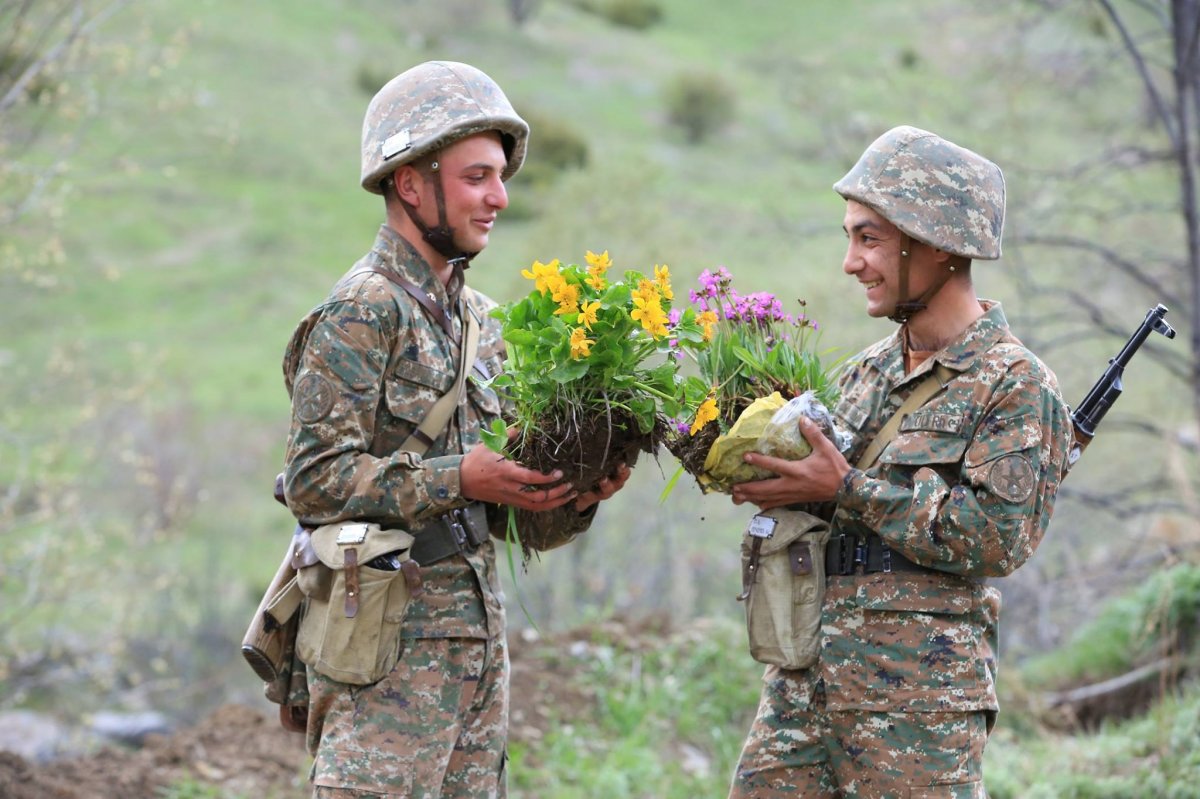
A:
<point x="353" y="613"/>
<point x="783" y="586"/>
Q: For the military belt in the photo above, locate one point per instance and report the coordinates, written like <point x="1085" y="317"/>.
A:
<point x="848" y="554"/>
<point x="460" y="530"/>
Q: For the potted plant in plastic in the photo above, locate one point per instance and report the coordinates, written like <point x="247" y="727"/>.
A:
<point x="758" y="359"/>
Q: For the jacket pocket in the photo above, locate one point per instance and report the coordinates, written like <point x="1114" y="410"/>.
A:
<point x="923" y="448"/>
<point x="411" y="388"/>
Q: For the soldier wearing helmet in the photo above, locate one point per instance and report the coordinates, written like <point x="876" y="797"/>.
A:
<point x="957" y="488"/>
<point x="364" y="369"/>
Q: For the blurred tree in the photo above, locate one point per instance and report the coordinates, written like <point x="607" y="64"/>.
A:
<point x="1178" y="112"/>
<point x="521" y="10"/>
<point x="42" y="46"/>
<point x="1100" y="231"/>
<point x="1160" y="39"/>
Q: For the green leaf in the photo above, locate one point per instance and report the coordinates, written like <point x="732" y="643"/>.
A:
<point x="496" y="436"/>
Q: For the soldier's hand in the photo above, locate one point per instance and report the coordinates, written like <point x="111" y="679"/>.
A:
<point x="815" y="478"/>
<point x="489" y="477"/>
<point x="605" y="489"/>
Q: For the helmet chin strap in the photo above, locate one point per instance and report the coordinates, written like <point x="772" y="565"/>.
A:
<point x="441" y="237"/>
<point x="907" y="309"/>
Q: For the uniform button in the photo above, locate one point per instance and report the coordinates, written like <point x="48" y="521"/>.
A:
<point x="443" y="492"/>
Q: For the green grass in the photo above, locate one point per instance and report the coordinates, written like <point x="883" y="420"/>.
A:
<point x="212" y="198"/>
<point x="1154" y="757"/>
<point x="667" y="721"/>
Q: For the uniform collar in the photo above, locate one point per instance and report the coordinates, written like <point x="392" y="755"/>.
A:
<point x="397" y="254"/>
<point x="958" y="355"/>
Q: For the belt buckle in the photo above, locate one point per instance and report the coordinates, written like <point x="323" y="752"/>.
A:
<point x="843" y="558"/>
<point x="462" y="529"/>
<point x="859" y="564"/>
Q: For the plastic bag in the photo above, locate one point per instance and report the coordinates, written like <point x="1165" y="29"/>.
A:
<point x="781" y="436"/>
<point x="723" y="466"/>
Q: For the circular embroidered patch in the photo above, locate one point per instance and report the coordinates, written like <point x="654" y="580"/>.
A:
<point x="313" y="398"/>
<point x="1012" y="478"/>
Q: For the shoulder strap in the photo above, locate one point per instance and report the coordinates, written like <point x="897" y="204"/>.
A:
<point x="934" y="382"/>
<point x="439" y="415"/>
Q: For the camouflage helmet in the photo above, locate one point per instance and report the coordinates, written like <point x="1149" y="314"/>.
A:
<point x="429" y="107"/>
<point x="931" y="189"/>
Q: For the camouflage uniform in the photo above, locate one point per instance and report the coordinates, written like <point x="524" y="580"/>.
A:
<point x="364" y="369"/>
<point x="903" y="694"/>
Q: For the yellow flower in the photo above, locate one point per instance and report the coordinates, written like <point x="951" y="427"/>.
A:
<point x="707" y="320"/>
<point x="541" y="274"/>
<point x="650" y="314"/>
<point x="647" y="291"/>
<point x="587" y="316"/>
<point x="600" y="262"/>
<point x="662" y="279"/>
<point x="567" y="296"/>
<point x="597" y="266"/>
<point x="704" y="414"/>
<point x="581" y="346"/>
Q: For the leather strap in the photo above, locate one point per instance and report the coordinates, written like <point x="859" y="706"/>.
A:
<point x="433" y="309"/>
<point x="934" y="382"/>
<point x="351" y="572"/>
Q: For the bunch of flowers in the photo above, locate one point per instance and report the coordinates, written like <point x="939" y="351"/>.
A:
<point x="591" y="373"/>
<point x="753" y="349"/>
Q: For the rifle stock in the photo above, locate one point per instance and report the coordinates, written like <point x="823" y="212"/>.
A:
<point x="268" y="640"/>
<point x="1087" y="416"/>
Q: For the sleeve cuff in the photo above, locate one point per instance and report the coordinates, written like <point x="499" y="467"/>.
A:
<point x="443" y="485"/>
<point x="851" y="494"/>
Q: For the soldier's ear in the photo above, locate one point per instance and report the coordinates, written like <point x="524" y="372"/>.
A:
<point x="408" y="182"/>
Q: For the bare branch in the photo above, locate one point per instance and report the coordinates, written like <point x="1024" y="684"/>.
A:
<point x="1109" y="255"/>
<point x="80" y="27"/>
<point x="1160" y="105"/>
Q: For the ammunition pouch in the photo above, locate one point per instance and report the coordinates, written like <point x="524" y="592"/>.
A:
<point x="783" y="586"/>
<point x="356" y="596"/>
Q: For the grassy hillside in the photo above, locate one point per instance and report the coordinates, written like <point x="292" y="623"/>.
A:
<point x="208" y="197"/>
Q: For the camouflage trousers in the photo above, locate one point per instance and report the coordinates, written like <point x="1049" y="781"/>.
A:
<point x="796" y="747"/>
<point x="434" y="728"/>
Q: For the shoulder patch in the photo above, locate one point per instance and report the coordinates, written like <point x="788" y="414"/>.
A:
<point x="1011" y="478"/>
<point x="314" y="398"/>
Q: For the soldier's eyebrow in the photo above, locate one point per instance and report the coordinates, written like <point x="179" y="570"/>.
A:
<point x="861" y="226"/>
<point x="484" y="165"/>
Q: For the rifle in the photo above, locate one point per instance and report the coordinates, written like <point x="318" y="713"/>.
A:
<point x="1087" y="416"/>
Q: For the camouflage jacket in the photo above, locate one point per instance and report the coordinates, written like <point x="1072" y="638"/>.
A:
<point x="363" y="369"/>
<point x="966" y="488"/>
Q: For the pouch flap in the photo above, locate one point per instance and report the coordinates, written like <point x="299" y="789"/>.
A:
<point x="331" y="541"/>
<point x="790" y="525"/>
<point x="284" y="604"/>
<point x="302" y="549"/>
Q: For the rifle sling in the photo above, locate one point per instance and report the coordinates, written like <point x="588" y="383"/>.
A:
<point x="933" y="383"/>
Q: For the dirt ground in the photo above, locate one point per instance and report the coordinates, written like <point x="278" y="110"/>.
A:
<point x="245" y="752"/>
